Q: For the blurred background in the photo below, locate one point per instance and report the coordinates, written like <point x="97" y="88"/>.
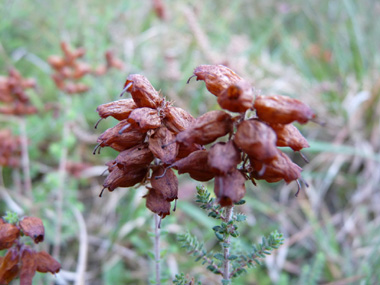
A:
<point x="325" y="53"/>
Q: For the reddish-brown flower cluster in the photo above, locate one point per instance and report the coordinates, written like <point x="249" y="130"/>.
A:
<point x="151" y="129"/>
<point x="9" y="149"/>
<point x="69" y="69"/>
<point x="21" y="260"/>
<point x="14" y="99"/>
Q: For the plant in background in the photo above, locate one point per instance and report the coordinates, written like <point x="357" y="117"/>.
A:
<point x="21" y="260"/>
<point x="153" y="137"/>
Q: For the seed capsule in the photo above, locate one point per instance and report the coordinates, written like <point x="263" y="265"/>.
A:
<point x="277" y="109"/>
<point x="46" y="263"/>
<point x="207" y="128"/>
<point x="217" y="77"/>
<point x="157" y="203"/>
<point x="134" y="158"/>
<point x="256" y="139"/>
<point x="34" y="228"/>
<point x="143" y="93"/>
<point x="229" y="188"/>
<point x="223" y="157"/>
<point x="8" y="234"/>
<point x="167" y="185"/>
<point x="145" y="118"/>
<point x="289" y="135"/>
<point x="28" y="267"/>
<point x="177" y="119"/>
<point x="120" y="109"/>
<point x="119" y="178"/>
<point x="196" y="164"/>
<point x="162" y="146"/>
<point x="237" y="97"/>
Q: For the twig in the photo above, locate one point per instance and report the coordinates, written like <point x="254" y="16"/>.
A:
<point x="25" y="160"/>
<point x="226" y="245"/>
<point x="157" y="248"/>
<point x="83" y="248"/>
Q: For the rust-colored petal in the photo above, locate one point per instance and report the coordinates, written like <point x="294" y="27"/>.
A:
<point x="162" y="144"/>
<point x="133" y="158"/>
<point x="256" y="139"/>
<point x="177" y="119"/>
<point x="28" y="266"/>
<point x="120" y="109"/>
<point x="145" y="118"/>
<point x="157" y="203"/>
<point x="217" y="77"/>
<point x="46" y="263"/>
<point x="223" y="157"/>
<point x="277" y="109"/>
<point x="8" y="234"/>
<point x="289" y="135"/>
<point x="143" y="93"/>
<point x="9" y="266"/>
<point x="237" y="97"/>
<point x="119" y="178"/>
<point x="33" y="228"/>
<point x="229" y="188"/>
<point x="167" y="185"/>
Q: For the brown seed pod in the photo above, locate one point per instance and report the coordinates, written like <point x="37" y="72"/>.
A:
<point x="46" y="263"/>
<point x="177" y="119"/>
<point x="162" y="146"/>
<point x="277" y="109"/>
<point x="196" y="164"/>
<point x="145" y="118"/>
<point x="133" y="158"/>
<point x="120" y="109"/>
<point x="238" y="97"/>
<point x="281" y="167"/>
<point x="256" y="139"/>
<point x="111" y="165"/>
<point x="33" y="228"/>
<point x="184" y="150"/>
<point x="28" y="267"/>
<point x="223" y="157"/>
<point x="143" y="93"/>
<point x="207" y="128"/>
<point x="167" y="185"/>
<point x="229" y="188"/>
<point x="157" y="203"/>
<point x="8" y="235"/>
<point x="289" y="135"/>
<point x="119" y="178"/>
<point x="217" y="77"/>
<point x="9" y="266"/>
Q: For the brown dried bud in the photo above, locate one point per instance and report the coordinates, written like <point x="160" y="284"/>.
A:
<point x="33" y="228"/>
<point x="8" y="234"/>
<point x="9" y="267"/>
<point x="256" y="139"/>
<point x="167" y="185"/>
<point x="281" y="167"/>
<point x="57" y="62"/>
<point x="223" y="157"/>
<point x="196" y="164"/>
<point x="143" y="93"/>
<point x="157" y="203"/>
<point x="237" y="97"/>
<point x="46" y="263"/>
<point x="177" y="119"/>
<point x="162" y="146"/>
<point x="217" y="77"/>
<point x="229" y="188"/>
<point x="134" y="158"/>
<point x="111" y="165"/>
<point x="80" y="70"/>
<point x="289" y="135"/>
<point x="119" y="178"/>
<point x="130" y="136"/>
<point x="184" y="150"/>
<point x="28" y="267"/>
<point x="277" y="109"/>
<point x="146" y="118"/>
<point x="120" y="109"/>
<point x="207" y="128"/>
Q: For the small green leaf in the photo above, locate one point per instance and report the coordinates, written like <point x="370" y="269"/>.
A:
<point x="232" y="257"/>
<point x="219" y="256"/>
<point x="219" y="236"/>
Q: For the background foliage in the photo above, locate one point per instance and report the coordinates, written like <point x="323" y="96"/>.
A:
<point x="323" y="52"/>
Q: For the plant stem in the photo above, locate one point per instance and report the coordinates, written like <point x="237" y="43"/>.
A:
<point x="157" y="249"/>
<point x="226" y="246"/>
<point x="25" y="160"/>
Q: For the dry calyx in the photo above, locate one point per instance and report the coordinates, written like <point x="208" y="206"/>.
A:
<point x="153" y="137"/>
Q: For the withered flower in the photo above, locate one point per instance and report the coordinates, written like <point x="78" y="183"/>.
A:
<point x="157" y="203"/>
<point x="143" y="93"/>
<point x="33" y="228"/>
<point x="237" y="97"/>
<point x="229" y="188"/>
<point x="177" y="119"/>
<point x="162" y="146"/>
<point x="223" y="157"/>
<point x="46" y="263"/>
<point x="120" y="109"/>
<point x="217" y="77"/>
<point x="207" y="128"/>
<point x="28" y="267"/>
<point x="134" y="158"/>
<point x="8" y="235"/>
<point x="256" y="139"/>
<point x="289" y="135"/>
<point x="165" y="181"/>
<point x="9" y="266"/>
<point x="119" y="178"/>
<point x="145" y="118"/>
<point x="277" y="109"/>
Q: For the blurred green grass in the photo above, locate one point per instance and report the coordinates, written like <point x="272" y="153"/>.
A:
<point x="325" y="53"/>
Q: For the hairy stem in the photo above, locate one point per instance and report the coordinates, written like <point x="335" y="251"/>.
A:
<point x="226" y="246"/>
<point x="157" y="249"/>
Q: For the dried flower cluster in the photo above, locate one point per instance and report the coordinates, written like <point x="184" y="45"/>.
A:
<point x="69" y="69"/>
<point x="9" y="149"/>
<point x="21" y="260"/>
<point x="13" y="97"/>
<point x="152" y="130"/>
